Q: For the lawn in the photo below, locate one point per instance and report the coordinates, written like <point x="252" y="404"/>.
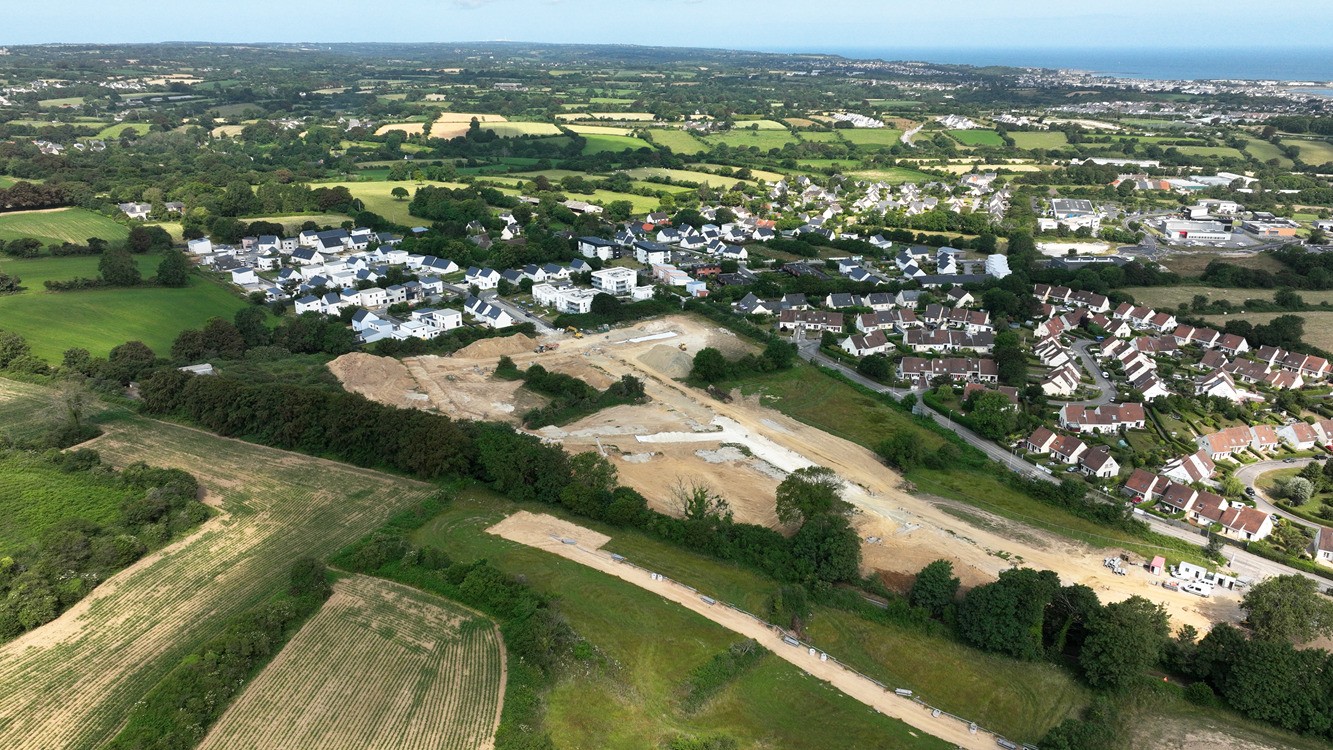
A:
<point x="872" y="138"/>
<point x="115" y="131"/>
<point x="678" y="141"/>
<point x="654" y="644"/>
<point x="62" y="225"/>
<point x="596" y="144"/>
<point x="763" y="140"/>
<point x="893" y="175"/>
<point x="1169" y="297"/>
<point x="976" y="137"/>
<point x="99" y="319"/>
<point x="1040" y="139"/>
<point x="1318" y="325"/>
<point x="35" y="495"/>
<point x="1312" y="152"/>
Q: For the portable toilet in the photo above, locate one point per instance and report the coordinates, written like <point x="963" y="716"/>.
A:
<point x="1157" y="565"/>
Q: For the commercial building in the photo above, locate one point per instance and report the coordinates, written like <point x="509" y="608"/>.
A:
<point x="1202" y="231"/>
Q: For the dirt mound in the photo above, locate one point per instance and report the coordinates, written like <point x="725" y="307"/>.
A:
<point x="382" y="379"/>
<point x="495" y="348"/>
<point x="668" y="360"/>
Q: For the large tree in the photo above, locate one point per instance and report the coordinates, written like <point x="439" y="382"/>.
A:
<point x="1124" y="641"/>
<point x="118" y="268"/>
<point x="1006" y="616"/>
<point x="710" y="366"/>
<point x="809" y="492"/>
<point x="1288" y="608"/>
<point x="935" y="588"/>
<point x="826" y="548"/>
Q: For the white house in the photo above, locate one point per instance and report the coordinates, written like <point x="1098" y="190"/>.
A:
<point x="244" y="276"/>
<point x="482" y="278"/>
<point x="859" y="345"/>
<point x="491" y="315"/>
<point x="201" y="246"/>
<point x="617" y="281"/>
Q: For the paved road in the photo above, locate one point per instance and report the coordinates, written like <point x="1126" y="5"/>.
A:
<point x="1249" y="473"/>
<point x="1244" y="565"/>
<point x="1094" y="368"/>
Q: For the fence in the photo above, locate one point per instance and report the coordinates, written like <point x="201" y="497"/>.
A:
<point x="791" y="640"/>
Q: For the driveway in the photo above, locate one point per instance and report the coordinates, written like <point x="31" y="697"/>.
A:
<point x="1094" y="368"/>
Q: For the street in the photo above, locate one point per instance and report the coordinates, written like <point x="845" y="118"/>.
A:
<point x="1108" y="392"/>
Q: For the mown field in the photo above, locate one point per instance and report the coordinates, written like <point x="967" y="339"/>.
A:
<point x="678" y="141"/>
<point x="381" y="665"/>
<point x="117" y="130"/>
<point x="892" y="175"/>
<point x="1265" y="151"/>
<point x="61" y="225"/>
<point x="1318" y="325"/>
<point x="99" y="319"/>
<point x="596" y="144"/>
<point x="1040" y="139"/>
<point x="1169" y="297"/>
<point x="651" y="645"/>
<point x="1312" y="152"/>
<point x="35" y="495"/>
<point x="872" y="137"/>
<point x="682" y="175"/>
<point x="71" y="683"/>
<point x="1222" y="151"/>
<point x="763" y="140"/>
<point x="976" y="137"/>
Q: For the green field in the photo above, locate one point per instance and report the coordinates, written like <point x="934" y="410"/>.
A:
<point x="114" y="131"/>
<point x="678" y="141"/>
<point x="1222" y="151"/>
<point x="378" y="199"/>
<point x="1312" y="152"/>
<point x="654" y="644"/>
<point x="62" y="225"/>
<point x="1318" y="325"/>
<point x="763" y="140"/>
<point x="100" y="319"/>
<point x="682" y="175"/>
<point x="1040" y="139"/>
<point x="1264" y="151"/>
<point x="68" y="101"/>
<point x="35" y="495"/>
<point x="596" y="144"/>
<point x="872" y="138"/>
<point x="275" y="507"/>
<point x="1167" y="298"/>
<point x="976" y="137"/>
<point x="893" y="175"/>
<point x="819" y="136"/>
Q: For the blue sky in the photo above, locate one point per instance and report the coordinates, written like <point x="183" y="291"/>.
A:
<point x="741" y="24"/>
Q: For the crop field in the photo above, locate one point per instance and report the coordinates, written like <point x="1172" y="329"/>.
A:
<point x="596" y="144"/>
<point x="35" y="495"/>
<point x="678" y="141"/>
<point x="760" y="139"/>
<point x="70" y="683"/>
<point x="115" y="131"/>
<point x="1263" y="151"/>
<point x="892" y="175"/>
<point x="515" y="129"/>
<point x="682" y="175"/>
<point x="872" y="138"/>
<point x="61" y="225"/>
<point x="761" y="124"/>
<point x="654" y="645"/>
<point x="1312" y="152"/>
<point x="632" y="116"/>
<point x="381" y="665"/>
<point x="99" y="319"/>
<point x="1040" y="139"/>
<point x="1318" y="325"/>
<point x="600" y="130"/>
<point x="231" y="131"/>
<point x="377" y="198"/>
<point x="976" y="137"/>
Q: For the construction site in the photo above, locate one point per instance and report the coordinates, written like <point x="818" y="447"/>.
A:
<point x="742" y="450"/>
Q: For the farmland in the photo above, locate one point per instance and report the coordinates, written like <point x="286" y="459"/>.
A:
<point x="378" y="199"/>
<point x="70" y="683"/>
<point x="99" y="319"/>
<point x="599" y="130"/>
<point x="763" y="140"/>
<point x="678" y="141"/>
<point x="654" y="645"/>
<point x="515" y="129"/>
<point x="1312" y="152"/>
<point x="1220" y="151"/>
<point x="1265" y="151"/>
<point x="819" y="136"/>
<point x="60" y="225"/>
<point x="681" y="175"/>
<point x="119" y="129"/>
<point x="35" y="495"/>
<point x="1040" y="139"/>
<point x="1170" y="297"/>
<point x="977" y="137"/>
<point x="873" y="137"/>
<point x="380" y="665"/>
<point x="596" y="144"/>
<point x="892" y="175"/>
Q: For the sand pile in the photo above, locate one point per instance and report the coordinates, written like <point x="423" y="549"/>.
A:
<point x="382" y="379"/>
<point x="498" y="347"/>
<point x="668" y="360"/>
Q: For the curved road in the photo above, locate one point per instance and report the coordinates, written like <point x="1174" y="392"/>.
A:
<point x="1094" y="368"/>
<point x="1250" y="472"/>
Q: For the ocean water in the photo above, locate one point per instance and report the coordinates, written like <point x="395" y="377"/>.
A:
<point x="1222" y="61"/>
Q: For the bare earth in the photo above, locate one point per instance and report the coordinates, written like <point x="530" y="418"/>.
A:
<point x="744" y="449"/>
<point x="380" y="665"/>
<point x="583" y="546"/>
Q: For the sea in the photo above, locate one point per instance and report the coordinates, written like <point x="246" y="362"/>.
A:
<point x="1164" y="63"/>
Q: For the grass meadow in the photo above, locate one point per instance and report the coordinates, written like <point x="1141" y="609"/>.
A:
<point x="977" y="137"/>
<point x="596" y="144"/>
<point x="1312" y="152"/>
<point x="678" y="141"/>
<point x="61" y="225"/>
<point x="35" y="495"/>
<point x="1040" y="139"/>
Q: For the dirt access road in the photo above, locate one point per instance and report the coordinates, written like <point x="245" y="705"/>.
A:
<point x="743" y="449"/>
<point x="583" y="546"/>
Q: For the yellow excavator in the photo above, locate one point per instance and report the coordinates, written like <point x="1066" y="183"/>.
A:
<point x="576" y="333"/>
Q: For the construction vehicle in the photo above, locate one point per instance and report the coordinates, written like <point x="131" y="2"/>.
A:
<point x="576" y="333"/>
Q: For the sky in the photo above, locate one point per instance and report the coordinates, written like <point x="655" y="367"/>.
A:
<point x="770" y="25"/>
